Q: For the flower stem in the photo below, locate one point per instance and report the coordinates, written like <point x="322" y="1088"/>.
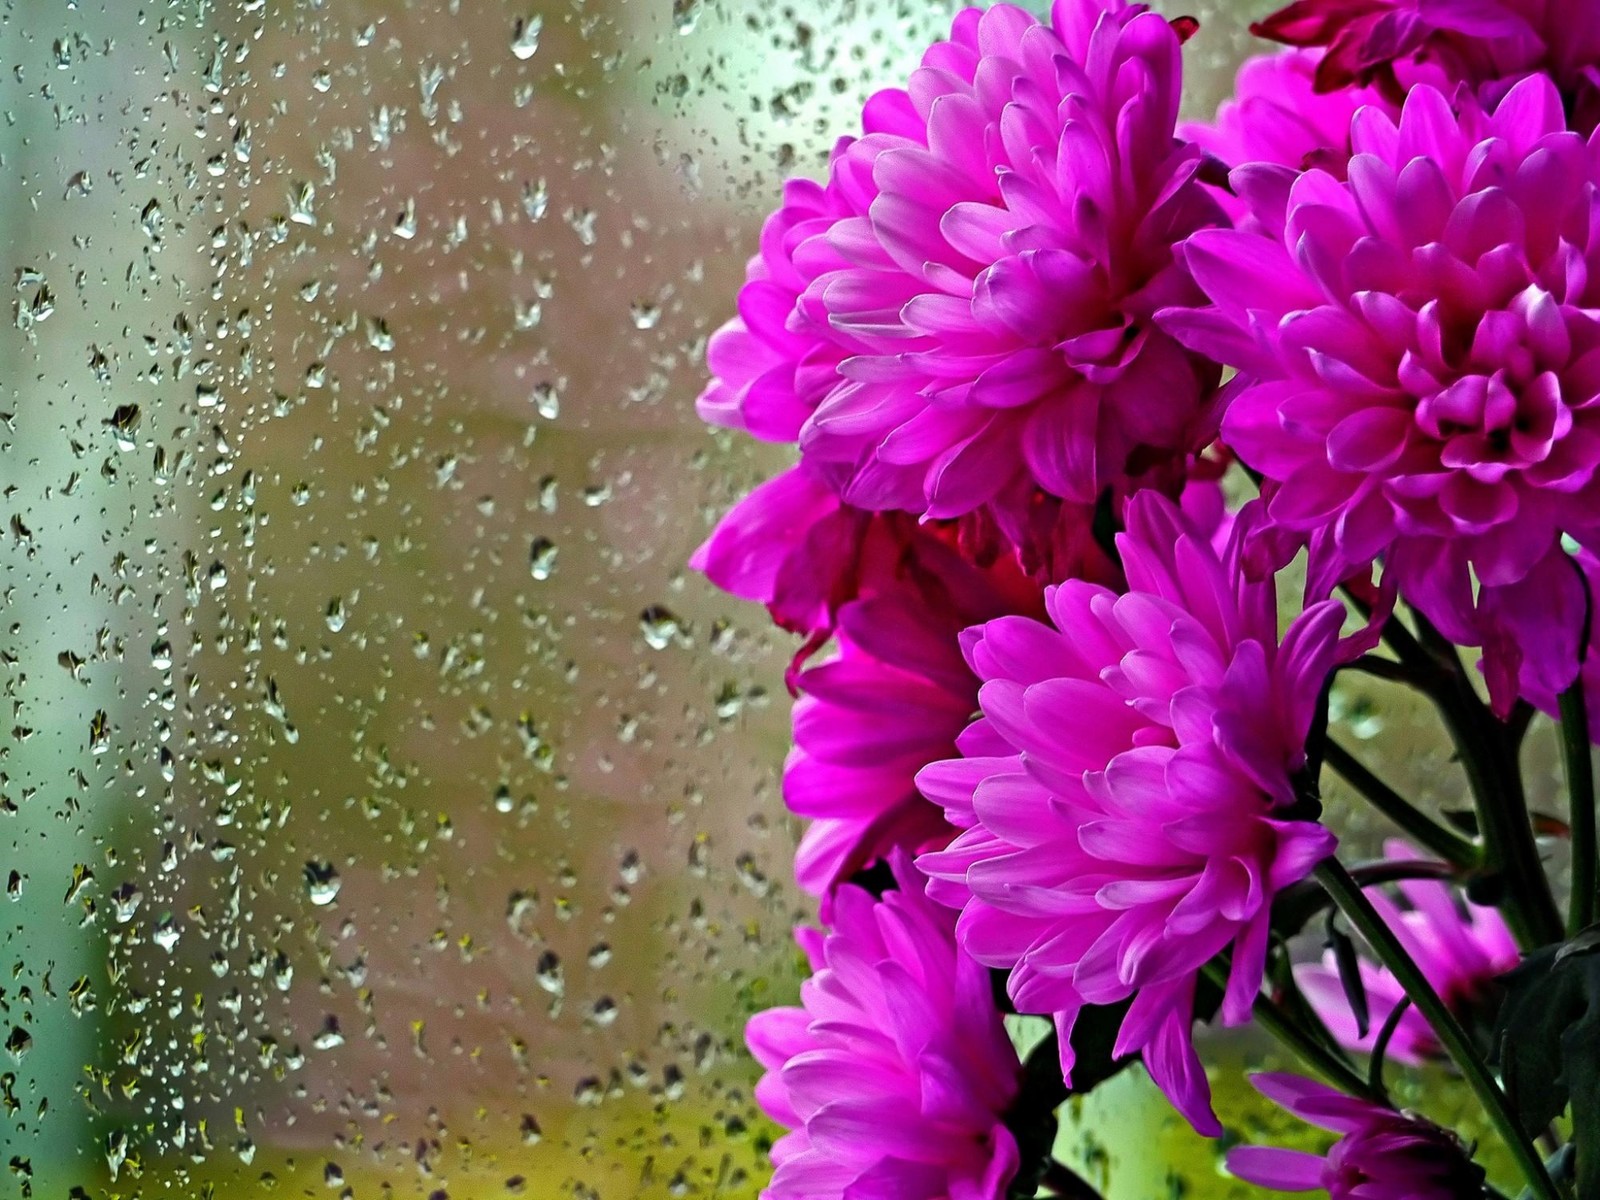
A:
<point x="1347" y="894"/>
<point x="1446" y="843"/>
<point x="1580" y="795"/>
<point x="1487" y="749"/>
<point x="1296" y="1037"/>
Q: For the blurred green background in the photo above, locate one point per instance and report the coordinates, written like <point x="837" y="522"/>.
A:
<point x="384" y="810"/>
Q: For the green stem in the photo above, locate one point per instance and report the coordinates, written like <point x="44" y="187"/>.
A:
<point x="1347" y="894"/>
<point x="1421" y="828"/>
<point x="1496" y="782"/>
<point x="1380" y="1044"/>
<point x="1297" y="1038"/>
<point x="1488" y="753"/>
<point x="1580" y="794"/>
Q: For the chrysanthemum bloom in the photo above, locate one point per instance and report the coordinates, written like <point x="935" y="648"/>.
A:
<point x="789" y="545"/>
<point x="961" y="315"/>
<point x="896" y="1072"/>
<point x="1276" y="115"/>
<point x="794" y="547"/>
<point x="1420" y="361"/>
<point x="891" y="700"/>
<point x="1125" y="800"/>
<point x="1382" y="1155"/>
<point x="1474" y="40"/>
<point x="1484" y="43"/>
<point x="1461" y="948"/>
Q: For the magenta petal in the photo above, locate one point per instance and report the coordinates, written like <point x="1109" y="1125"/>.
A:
<point x="1281" y="1170"/>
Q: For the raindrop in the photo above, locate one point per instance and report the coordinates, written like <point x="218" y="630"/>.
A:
<point x="549" y="973"/>
<point x="546" y="400"/>
<point x="542" y="558"/>
<point x="166" y="934"/>
<point x="685" y="13"/>
<point x="124" y="424"/>
<point x="378" y="335"/>
<point x="525" y="37"/>
<point x="535" y="199"/>
<point x="19" y="1043"/>
<point x="329" y="1036"/>
<point x="322" y="882"/>
<point x="302" y="199"/>
<point x="405" y="221"/>
<point x="660" y="626"/>
<point x="100" y="732"/>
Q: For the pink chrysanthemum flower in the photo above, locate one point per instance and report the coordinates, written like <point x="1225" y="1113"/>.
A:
<point x="789" y="545"/>
<point x="1460" y="947"/>
<point x="1487" y="44"/>
<point x="895" y="1074"/>
<point x="963" y="313"/>
<point x="1381" y="1155"/>
<point x="891" y="701"/>
<point x="1276" y="115"/>
<point x="1473" y="40"/>
<point x="794" y="547"/>
<point x="1126" y="799"/>
<point x="1421" y="361"/>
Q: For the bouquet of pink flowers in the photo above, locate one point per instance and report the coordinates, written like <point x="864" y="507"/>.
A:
<point x="1072" y="385"/>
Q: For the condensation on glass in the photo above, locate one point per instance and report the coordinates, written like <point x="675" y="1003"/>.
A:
<point x="384" y="809"/>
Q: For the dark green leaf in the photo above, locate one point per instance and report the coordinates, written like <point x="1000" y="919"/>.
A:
<point x="1547" y="1043"/>
<point x="1348" y="963"/>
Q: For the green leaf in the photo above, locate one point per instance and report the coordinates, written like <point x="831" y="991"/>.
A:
<point x="1349" y="965"/>
<point x="1547" y="1045"/>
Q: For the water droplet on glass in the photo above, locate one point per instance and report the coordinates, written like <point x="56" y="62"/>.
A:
<point x="334" y="614"/>
<point x="405" y="221"/>
<point x="549" y="974"/>
<point x="302" y="199"/>
<point x="19" y="1042"/>
<point x="685" y="13"/>
<point x="525" y="37"/>
<point x="166" y="934"/>
<point x="542" y="558"/>
<point x="322" y="882"/>
<point x="535" y="199"/>
<point x="659" y="625"/>
<point x="546" y="400"/>
<point x="330" y="1035"/>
